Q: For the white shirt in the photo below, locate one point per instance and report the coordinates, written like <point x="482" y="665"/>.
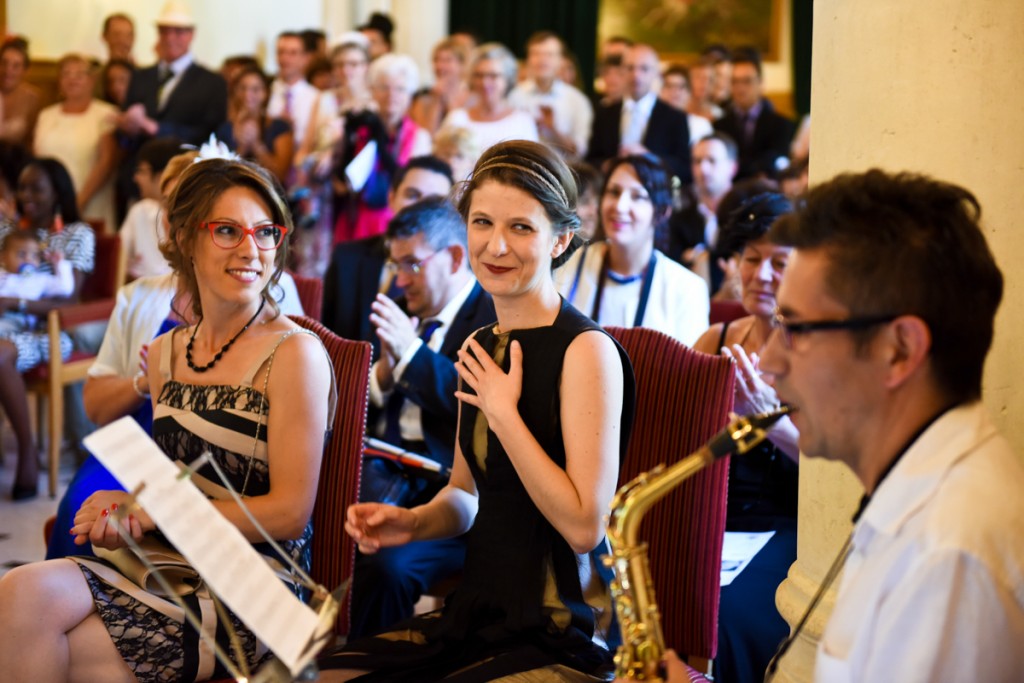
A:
<point x="141" y="234"/>
<point x="409" y="421"/>
<point x="699" y="127"/>
<point x="934" y="587"/>
<point x="140" y="308"/>
<point x="36" y="285"/>
<point x="303" y="98"/>
<point x="178" y="67"/>
<point x="518" y="125"/>
<point x="572" y="111"/>
<point x="635" y="116"/>
<point x="678" y="304"/>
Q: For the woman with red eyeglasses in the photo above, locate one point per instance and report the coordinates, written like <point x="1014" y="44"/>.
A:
<point x="223" y="385"/>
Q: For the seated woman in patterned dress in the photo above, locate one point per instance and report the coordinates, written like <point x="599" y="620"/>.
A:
<point x="546" y="405"/>
<point x="226" y="385"/>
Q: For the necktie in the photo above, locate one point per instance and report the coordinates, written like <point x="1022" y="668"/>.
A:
<point x="288" y="104"/>
<point x="393" y="408"/>
<point x="164" y="74"/>
<point x="634" y="129"/>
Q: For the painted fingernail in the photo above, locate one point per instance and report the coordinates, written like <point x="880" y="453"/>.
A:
<point x="113" y="507"/>
<point x="72" y="532"/>
<point x="105" y="513"/>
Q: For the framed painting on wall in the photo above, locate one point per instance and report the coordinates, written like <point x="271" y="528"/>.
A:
<point x="680" y="29"/>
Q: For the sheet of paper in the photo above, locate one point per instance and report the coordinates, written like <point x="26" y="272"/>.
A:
<point x="215" y="547"/>
<point x="738" y="550"/>
<point x="359" y="169"/>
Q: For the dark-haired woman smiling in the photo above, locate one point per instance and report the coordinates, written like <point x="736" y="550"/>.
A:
<point x="546" y="404"/>
<point x="46" y="204"/>
<point x="624" y="280"/>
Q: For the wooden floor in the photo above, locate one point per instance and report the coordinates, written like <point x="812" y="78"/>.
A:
<point x="21" y="524"/>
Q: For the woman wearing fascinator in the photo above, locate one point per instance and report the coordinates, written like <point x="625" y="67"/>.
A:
<point x="220" y="385"/>
<point x="546" y="405"/>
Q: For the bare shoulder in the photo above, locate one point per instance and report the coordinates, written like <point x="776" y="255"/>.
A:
<point x="593" y="352"/>
<point x="708" y="342"/>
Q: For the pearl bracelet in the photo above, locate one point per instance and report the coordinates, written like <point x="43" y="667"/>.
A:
<point x="135" y="385"/>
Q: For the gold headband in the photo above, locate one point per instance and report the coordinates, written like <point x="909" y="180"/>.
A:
<point x="551" y="183"/>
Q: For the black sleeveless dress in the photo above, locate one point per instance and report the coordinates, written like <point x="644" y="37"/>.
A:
<point x="527" y="601"/>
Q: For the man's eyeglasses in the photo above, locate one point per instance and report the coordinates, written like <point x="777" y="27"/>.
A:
<point x="411" y="267"/>
<point x="229" y="235"/>
<point x="787" y="329"/>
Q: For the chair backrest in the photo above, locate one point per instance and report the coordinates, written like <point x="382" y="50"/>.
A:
<point x="726" y="311"/>
<point x="683" y="398"/>
<point x="334" y="553"/>
<point x="311" y="295"/>
<point x="108" y="273"/>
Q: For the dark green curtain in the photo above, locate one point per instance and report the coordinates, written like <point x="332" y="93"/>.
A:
<point x="803" y="29"/>
<point x="512" y="23"/>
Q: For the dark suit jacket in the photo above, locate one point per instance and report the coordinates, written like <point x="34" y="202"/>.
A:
<point x="430" y="380"/>
<point x="667" y="136"/>
<point x="350" y="286"/>
<point x="194" y="109"/>
<point x="772" y="134"/>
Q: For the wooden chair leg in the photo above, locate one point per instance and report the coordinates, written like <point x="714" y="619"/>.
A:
<point x="56" y="432"/>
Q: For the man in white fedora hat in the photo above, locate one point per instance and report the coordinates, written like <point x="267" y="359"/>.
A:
<point x="176" y="97"/>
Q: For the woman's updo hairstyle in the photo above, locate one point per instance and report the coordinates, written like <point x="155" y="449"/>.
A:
<point x="191" y="204"/>
<point x="751" y="221"/>
<point x="538" y="171"/>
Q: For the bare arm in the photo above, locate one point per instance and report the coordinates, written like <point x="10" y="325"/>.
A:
<point x="101" y="171"/>
<point x="573" y="500"/>
<point x="110" y="397"/>
<point x="450" y="513"/>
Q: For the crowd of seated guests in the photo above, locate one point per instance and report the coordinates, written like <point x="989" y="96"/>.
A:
<point x="664" y="204"/>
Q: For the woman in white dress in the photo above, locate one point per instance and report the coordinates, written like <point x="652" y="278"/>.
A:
<point x="79" y="132"/>
<point x="492" y="118"/>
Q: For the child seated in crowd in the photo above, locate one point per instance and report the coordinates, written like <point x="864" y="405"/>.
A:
<point x="25" y="276"/>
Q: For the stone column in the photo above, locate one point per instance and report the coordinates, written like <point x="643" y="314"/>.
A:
<point x="931" y="86"/>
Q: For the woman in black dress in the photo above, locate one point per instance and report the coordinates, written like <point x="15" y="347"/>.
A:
<point x="546" y="406"/>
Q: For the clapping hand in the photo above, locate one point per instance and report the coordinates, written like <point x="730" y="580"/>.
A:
<point x="753" y="394"/>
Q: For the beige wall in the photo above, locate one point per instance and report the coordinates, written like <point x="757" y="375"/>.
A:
<point x="932" y="86"/>
<point x="928" y="86"/>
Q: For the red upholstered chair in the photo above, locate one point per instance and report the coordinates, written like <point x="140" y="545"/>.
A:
<point x="726" y="311"/>
<point x="311" y="295"/>
<point x="683" y="398"/>
<point x="334" y="553"/>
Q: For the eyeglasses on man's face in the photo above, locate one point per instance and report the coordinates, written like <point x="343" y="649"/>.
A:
<point x="228" y="235"/>
<point x="788" y="329"/>
<point x="409" y="267"/>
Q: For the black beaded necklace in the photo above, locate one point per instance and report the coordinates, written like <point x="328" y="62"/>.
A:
<point x="188" y="349"/>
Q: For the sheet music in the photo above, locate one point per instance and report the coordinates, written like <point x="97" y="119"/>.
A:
<point x="216" y="548"/>
<point x="738" y="549"/>
<point x="359" y="169"/>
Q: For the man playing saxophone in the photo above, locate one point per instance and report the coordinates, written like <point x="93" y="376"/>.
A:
<point x="886" y="314"/>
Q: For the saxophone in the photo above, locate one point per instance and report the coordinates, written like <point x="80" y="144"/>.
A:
<point x="643" y="644"/>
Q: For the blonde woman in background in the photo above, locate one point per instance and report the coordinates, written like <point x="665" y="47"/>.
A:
<point x="79" y="131"/>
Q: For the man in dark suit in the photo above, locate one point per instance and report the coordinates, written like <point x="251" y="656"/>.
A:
<point x="641" y="123"/>
<point x="175" y="97"/>
<point x="762" y="134"/>
<point x="412" y="393"/>
<point x="356" y="273"/>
